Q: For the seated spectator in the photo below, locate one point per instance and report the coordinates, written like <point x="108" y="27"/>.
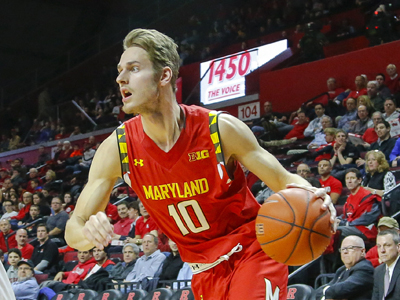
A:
<point x="5" y="229"/>
<point x="172" y="264"/>
<point x="392" y="116"/>
<point x="45" y="254"/>
<point x="133" y="214"/>
<point x="121" y="270"/>
<point x="393" y="82"/>
<point x="185" y="273"/>
<point x="299" y="126"/>
<point x="270" y="122"/>
<point x="376" y="99"/>
<point x="3" y="176"/>
<point x="354" y="279"/>
<point x="370" y="136"/>
<point x="34" y="214"/>
<point x="26" y="288"/>
<point x="7" y="185"/>
<point x="123" y="226"/>
<point x="383" y="90"/>
<point x="360" y="89"/>
<point x="362" y="123"/>
<point x="395" y="154"/>
<point x="324" y="151"/>
<point x="144" y="225"/>
<point x="361" y="210"/>
<point x="379" y="179"/>
<point x="40" y="200"/>
<point x="102" y="261"/>
<point x="49" y="183"/>
<point x="344" y="122"/>
<point x="17" y="178"/>
<point x="149" y="263"/>
<point x="57" y="221"/>
<point x="8" y="206"/>
<point x="385" y="223"/>
<point x="69" y="203"/>
<point x="64" y="154"/>
<point x="14" y="257"/>
<point x="22" y="244"/>
<point x="43" y="156"/>
<point x="33" y="174"/>
<point x="86" y="262"/>
<point x="14" y="141"/>
<point x="304" y="171"/>
<point x="84" y="162"/>
<point x="319" y="137"/>
<point x="315" y="125"/>
<point x="77" y="131"/>
<point x="332" y="186"/>
<point x="333" y="92"/>
<point x="344" y="155"/>
<point x="364" y="100"/>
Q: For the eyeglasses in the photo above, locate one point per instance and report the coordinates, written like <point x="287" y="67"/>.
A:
<point x="350" y="248"/>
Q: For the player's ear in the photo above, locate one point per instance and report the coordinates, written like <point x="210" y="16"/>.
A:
<point x="166" y="76"/>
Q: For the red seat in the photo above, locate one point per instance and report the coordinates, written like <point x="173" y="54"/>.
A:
<point x="41" y="277"/>
<point x="117" y="255"/>
<point x="69" y="256"/>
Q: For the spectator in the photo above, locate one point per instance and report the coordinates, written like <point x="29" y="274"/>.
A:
<point x="324" y="151"/>
<point x="86" y="262"/>
<point x="45" y="254"/>
<point x="26" y="288"/>
<point x="299" y="126"/>
<point x="270" y="122"/>
<point x="395" y="154"/>
<point x="102" y="261"/>
<point x="121" y="270"/>
<point x="315" y="125"/>
<point x="172" y="264"/>
<point x="40" y="200"/>
<point x="22" y="244"/>
<point x="362" y="124"/>
<point x="77" y="131"/>
<point x="3" y="176"/>
<point x="354" y="279"/>
<point x="319" y="137"/>
<point x="84" y="163"/>
<point x="333" y="92"/>
<point x="50" y="178"/>
<point x="144" y="225"/>
<point x="123" y="226"/>
<point x="185" y="273"/>
<point x="379" y="179"/>
<point x="149" y="263"/>
<point x="364" y="100"/>
<point x="65" y="154"/>
<point x="34" y="185"/>
<point x="5" y="228"/>
<point x="393" y="82"/>
<point x="376" y="99"/>
<point x="14" y="141"/>
<point x="385" y="223"/>
<point x="386" y="278"/>
<point x="350" y="115"/>
<point x="16" y="178"/>
<point x="14" y="256"/>
<point x="361" y="210"/>
<point x="370" y="136"/>
<point x="332" y="186"/>
<point x="304" y="171"/>
<point x="34" y="214"/>
<point x="8" y="205"/>
<point x="33" y="174"/>
<point x="360" y="89"/>
<point x="43" y="157"/>
<point x="312" y="43"/>
<point x="392" y="116"/>
<point x="69" y="203"/>
<point x="57" y="221"/>
<point x="383" y="90"/>
<point x="133" y="214"/>
<point x="343" y="154"/>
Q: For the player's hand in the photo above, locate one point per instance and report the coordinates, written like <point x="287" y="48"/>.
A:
<point x="98" y="230"/>
<point x="320" y="193"/>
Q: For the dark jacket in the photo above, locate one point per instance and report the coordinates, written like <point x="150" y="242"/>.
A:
<point x="121" y="270"/>
<point x="394" y="286"/>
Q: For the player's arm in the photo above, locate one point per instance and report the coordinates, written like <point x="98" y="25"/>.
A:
<point x="104" y="171"/>
<point x="239" y="143"/>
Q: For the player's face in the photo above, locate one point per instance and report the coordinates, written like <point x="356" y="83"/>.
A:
<point x="149" y="246"/>
<point x="129" y="254"/>
<point x="13" y="259"/>
<point x="388" y="250"/>
<point x="84" y="256"/>
<point x="137" y="83"/>
<point x="352" y="182"/>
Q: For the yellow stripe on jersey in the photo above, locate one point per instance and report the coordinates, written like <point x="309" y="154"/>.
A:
<point x="123" y="149"/>
<point x="214" y="133"/>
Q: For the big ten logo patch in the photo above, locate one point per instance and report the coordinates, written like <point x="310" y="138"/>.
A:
<point x="156" y="296"/>
<point x="198" y="155"/>
<point x="184" y="295"/>
<point x="291" y="294"/>
<point x="105" y="296"/>
<point x="131" y="295"/>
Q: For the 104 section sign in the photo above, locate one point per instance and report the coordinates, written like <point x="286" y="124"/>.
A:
<point x="224" y="78"/>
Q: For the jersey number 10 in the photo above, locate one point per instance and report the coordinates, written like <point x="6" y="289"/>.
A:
<point x="187" y="222"/>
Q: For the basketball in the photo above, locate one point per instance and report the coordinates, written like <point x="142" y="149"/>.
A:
<point x="292" y="228"/>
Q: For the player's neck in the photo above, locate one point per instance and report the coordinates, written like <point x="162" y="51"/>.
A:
<point x="165" y="125"/>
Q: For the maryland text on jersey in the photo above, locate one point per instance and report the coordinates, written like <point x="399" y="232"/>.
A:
<point x="175" y="190"/>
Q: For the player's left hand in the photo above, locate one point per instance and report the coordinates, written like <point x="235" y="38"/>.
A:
<point x="320" y="193"/>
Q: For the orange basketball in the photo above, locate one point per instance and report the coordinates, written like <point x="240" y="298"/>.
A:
<point x="292" y="228"/>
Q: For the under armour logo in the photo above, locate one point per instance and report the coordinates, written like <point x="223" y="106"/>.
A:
<point x="138" y="162"/>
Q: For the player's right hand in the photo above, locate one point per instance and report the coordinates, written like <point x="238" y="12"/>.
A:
<point x="98" y="230"/>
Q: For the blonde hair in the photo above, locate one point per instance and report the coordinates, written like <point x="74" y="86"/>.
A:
<point x="161" y="49"/>
<point x="380" y="158"/>
<point x="330" y="131"/>
<point x="367" y="103"/>
<point x="52" y="174"/>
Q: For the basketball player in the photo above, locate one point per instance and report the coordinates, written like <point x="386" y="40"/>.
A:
<point x="183" y="162"/>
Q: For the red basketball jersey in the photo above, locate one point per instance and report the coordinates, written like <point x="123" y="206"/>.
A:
<point x="187" y="191"/>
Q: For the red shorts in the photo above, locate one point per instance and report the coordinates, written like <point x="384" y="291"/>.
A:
<point x="248" y="274"/>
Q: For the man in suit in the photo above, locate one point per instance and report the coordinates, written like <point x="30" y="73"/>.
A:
<point x="387" y="275"/>
<point x="354" y="279"/>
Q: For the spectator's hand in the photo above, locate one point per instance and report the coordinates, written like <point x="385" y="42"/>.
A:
<point x="341" y="148"/>
<point x="313" y="145"/>
<point x="283" y="119"/>
<point x="353" y="122"/>
<point x="320" y="193"/>
<point x="98" y="230"/>
<point x="59" y="276"/>
<point x="366" y="145"/>
<point x="360" y="162"/>
<point x="395" y="161"/>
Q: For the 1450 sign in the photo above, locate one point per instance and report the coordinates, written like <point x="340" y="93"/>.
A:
<point x="228" y="68"/>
